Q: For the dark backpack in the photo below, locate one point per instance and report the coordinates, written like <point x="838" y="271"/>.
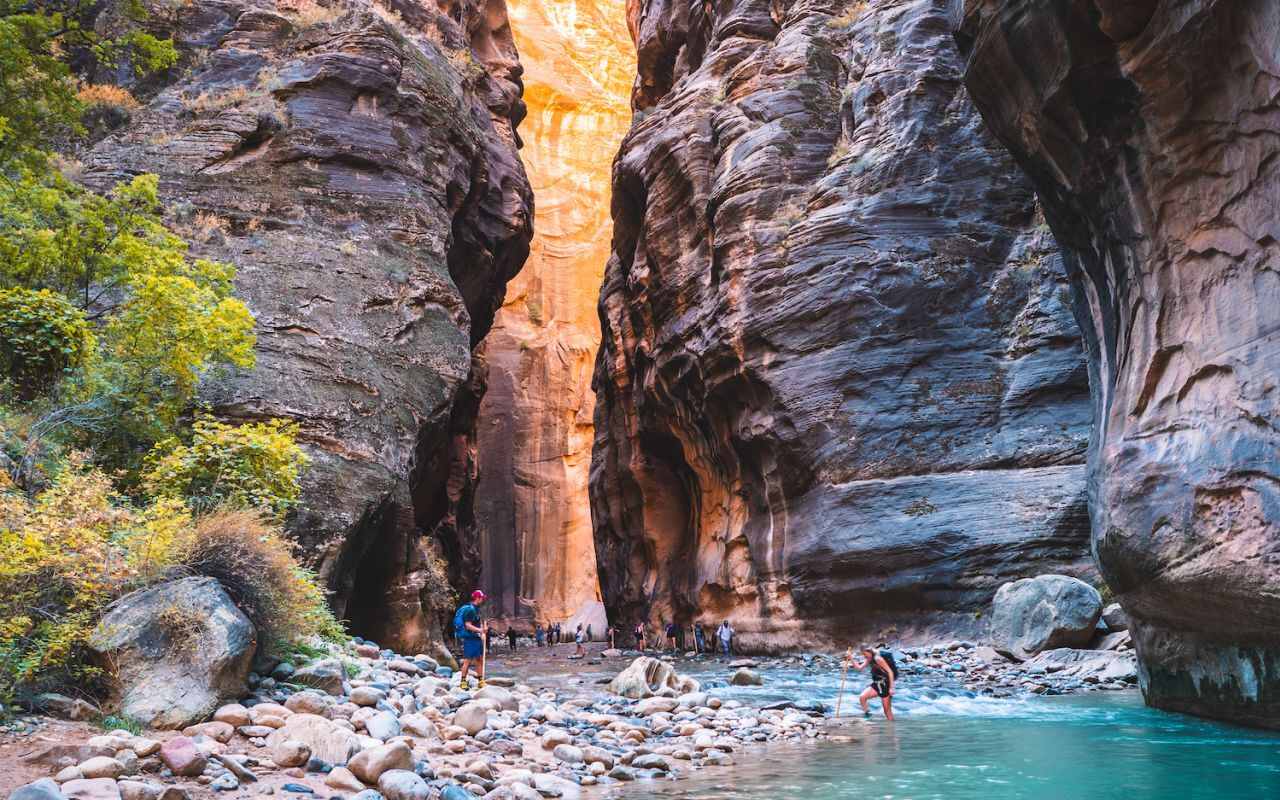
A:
<point x="887" y="655"/>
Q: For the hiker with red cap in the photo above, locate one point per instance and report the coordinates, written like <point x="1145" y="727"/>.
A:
<point x="469" y="629"/>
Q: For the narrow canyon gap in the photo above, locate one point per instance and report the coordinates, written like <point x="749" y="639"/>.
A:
<point x="535" y="424"/>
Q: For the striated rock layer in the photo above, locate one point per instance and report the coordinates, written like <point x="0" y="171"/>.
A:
<point x="839" y="387"/>
<point x="1151" y="131"/>
<point x="358" y="165"/>
<point x="535" y="421"/>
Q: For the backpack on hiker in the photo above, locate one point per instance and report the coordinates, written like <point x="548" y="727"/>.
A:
<point x="460" y="621"/>
<point x="887" y="655"/>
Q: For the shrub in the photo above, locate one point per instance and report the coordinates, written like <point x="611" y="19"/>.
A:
<point x="255" y="466"/>
<point x="42" y="338"/>
<point x="255" y="564"/>
<point x="75" y="547"/>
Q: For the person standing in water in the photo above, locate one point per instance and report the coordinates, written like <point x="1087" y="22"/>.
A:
<point x="580" y="639"/>
<point x="640" y="636"/>
<point x="725" y="634"/>
<point x="613" y="637"/>
<point x="468" y="628"/>
<point x="699" y="638"/>
<point x="511" y="637"/>
<point x="884" y="673"/>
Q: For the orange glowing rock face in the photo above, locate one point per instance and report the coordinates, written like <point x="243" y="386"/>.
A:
<point x="535" y="428"/>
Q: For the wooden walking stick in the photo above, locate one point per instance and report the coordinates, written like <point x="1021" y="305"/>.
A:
<point x="484" y="650"/>
<point x="848" y="656"/>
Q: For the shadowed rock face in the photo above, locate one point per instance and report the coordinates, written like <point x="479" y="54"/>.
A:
<point x="360" y="170"/>
<point x="1151" y="133"/>
<point x="839" y="380"/>
<point x="535" y="422"/>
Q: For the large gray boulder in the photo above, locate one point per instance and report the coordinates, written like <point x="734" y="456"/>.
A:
<point x="177" y="651"/>
<point x="1042" y="613"/>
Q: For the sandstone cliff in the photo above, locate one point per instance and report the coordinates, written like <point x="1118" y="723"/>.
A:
<point x="1150" y="131"/>
<point x="358" y="164"/>
<point x="839" y="386"/>
<point x="534" y="445"/>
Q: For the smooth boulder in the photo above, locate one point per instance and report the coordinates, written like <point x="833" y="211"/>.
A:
<point x="1047" y="612"/>
<point x="646" y="676"/>
<point x="180" y="650"/>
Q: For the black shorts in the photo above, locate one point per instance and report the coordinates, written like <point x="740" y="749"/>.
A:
<point x="881" y="688"/>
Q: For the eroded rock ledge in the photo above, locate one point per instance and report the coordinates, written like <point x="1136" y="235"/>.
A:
<point x="839" y="380"/>
<point x="358" y="165"/>
<point x="1151" y="130"/>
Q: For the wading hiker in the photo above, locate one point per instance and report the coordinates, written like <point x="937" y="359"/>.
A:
<point x="537" y="634"/>
<point x="699" y="638"/>
<point x="884" y="674"/>
<point x="639" y="632"/>
<point x="671" y="635"/>
<point x="511" y="637"/>
<point x="725" y="635"/>
<point x="580" y="638"/>
<point x="468" y="628"/>
<point x="613" y="637"/>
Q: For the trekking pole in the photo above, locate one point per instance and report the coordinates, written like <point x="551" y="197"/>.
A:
<point x="843" y="675"/>
<point x="484" y="649"/>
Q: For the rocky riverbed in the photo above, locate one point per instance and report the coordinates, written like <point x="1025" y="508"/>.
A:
<point x="360" y="719"/>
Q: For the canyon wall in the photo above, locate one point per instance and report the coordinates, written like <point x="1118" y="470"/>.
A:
<point x="1151" y="131"/>
<point x="839" y="390"/>
<point x="534" y="445"/>
<point x="358" y="165"/>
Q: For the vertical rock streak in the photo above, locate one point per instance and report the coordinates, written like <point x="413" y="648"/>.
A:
<point x="839" y="386"/>
<point x="1150" y="132"/>
<point x="358" y="165"/>
<point x="535" y="422"/>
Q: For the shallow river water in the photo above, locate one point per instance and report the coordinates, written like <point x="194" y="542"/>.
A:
<point x="947" y="743"/>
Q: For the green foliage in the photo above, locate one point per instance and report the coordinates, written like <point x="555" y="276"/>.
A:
<point x="256" y="466"/>
<point x="42" y="338"/>
<point x="115" y="722"/>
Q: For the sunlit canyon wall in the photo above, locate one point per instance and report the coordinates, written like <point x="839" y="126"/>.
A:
<point x="535" y="427"/>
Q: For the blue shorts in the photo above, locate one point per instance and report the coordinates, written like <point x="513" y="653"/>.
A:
<point x="472" y="647"/>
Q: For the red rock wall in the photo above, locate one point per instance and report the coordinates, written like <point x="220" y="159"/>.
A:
<point x="839" y="389"/>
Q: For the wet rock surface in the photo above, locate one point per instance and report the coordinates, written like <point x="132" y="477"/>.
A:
<point x="1148" y="130"/>
<point x="839" y="379"/>
<point x="358" y="165"/>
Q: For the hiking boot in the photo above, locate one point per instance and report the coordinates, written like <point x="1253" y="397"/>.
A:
<point x="480" y="684"/>
<point x="465" y="685"/>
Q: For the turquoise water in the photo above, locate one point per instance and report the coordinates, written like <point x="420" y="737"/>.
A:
<point x="947" y="743"/>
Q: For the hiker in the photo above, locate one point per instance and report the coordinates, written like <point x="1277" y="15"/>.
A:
<point x="725" y="635"/>
<point x="557" y="634"/>
<point x="511" y="637"/>
<point x="613" y="637"/>
<point x="671" y="635"/>
<point x="468" y="628"/>
<point x="699" y="638"/>
<point x="580" y="638"/>
<point x="537" y="634"/>
<point x="589" y="636"/>
<point x="884" y="674"/>
<point x="488" y="637"/>
<point x="639" y="633"/>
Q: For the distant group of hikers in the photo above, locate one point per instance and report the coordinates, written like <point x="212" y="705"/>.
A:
<point x="474" y="634"/>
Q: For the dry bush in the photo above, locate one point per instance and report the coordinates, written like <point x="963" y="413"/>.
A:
<point x="104" y="94"/>
<point x="217" y="100"/>
<point x="849" y="16"/>
<point x="247" y="554"/>
<point x="308" y="12"/>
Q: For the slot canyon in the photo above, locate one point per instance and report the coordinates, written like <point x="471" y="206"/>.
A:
<point x="827" y="318"/>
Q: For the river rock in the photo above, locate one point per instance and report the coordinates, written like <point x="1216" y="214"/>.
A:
<point x="181" y="755"/>
<point x="367" y="696"/>
<point x="325" y="739"/>
<point x="139" y="790"/>
<point x="1049" y="611"/>
<point x="290" y="753"/>
<point x="102" y="767"/>
<point x="369" y="765"/>
<point x="91" y="789"/>
<point x="344" y="779"/>
<point x="506" y="700"/>
<point x="164" y="683"/>
<point x="568" y="753"/>
<point x="399" y="784"/>
<point x="472" y="717"/>
<point x="647" y="676"/>
<point x="383" y="725"/>
<point x="1164" y="199"/>
<point x="328" y="675"/>
<point x="43" y="789"/>
<point x="1115" y="618"/>
<point x="746" y="677"/>
<point x="233" y="714"/>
